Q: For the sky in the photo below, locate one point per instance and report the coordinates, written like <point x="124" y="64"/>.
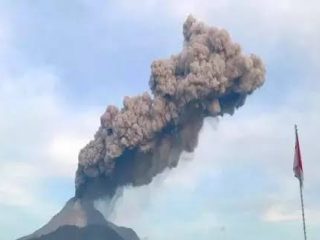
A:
<point x="63" y="62"/>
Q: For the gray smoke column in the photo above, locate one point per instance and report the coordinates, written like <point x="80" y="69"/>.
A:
<point x="210" y="77"/>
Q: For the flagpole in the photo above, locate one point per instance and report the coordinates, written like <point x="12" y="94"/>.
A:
<point x="299" y="175"/>
<point x="302" y="210"/>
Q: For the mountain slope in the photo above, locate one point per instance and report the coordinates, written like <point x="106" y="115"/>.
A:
<point x="91" y="232"/>
<point x="79" y="220"/>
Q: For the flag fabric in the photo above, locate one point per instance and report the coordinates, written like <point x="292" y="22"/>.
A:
<point x="297" y="163"/>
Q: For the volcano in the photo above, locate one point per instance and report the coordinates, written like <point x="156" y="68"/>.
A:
<point x="210" y="77"/>
<point x="79" y="220"/>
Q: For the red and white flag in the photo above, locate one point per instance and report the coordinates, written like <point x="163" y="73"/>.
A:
<point x="297" y="163"/>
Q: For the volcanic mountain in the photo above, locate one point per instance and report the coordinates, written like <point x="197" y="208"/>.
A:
<point x="79" y="220"/>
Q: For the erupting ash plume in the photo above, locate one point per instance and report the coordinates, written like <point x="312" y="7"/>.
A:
<point x="210" y="77"/>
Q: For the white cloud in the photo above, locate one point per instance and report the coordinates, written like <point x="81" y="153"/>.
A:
<point x="278" y="214"/>
<point x="16" y="186"/>
<point x="63" y="152"/>
<point x="285" y="213"/>
<point x="40" y="137"/>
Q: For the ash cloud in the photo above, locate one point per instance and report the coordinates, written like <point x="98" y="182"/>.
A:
<point x="209" y="77"/>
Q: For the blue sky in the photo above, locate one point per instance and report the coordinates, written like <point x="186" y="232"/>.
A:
<point x="63" y="62"/>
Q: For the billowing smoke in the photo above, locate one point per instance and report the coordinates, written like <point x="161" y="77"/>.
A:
<point x="210" y="77"/>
